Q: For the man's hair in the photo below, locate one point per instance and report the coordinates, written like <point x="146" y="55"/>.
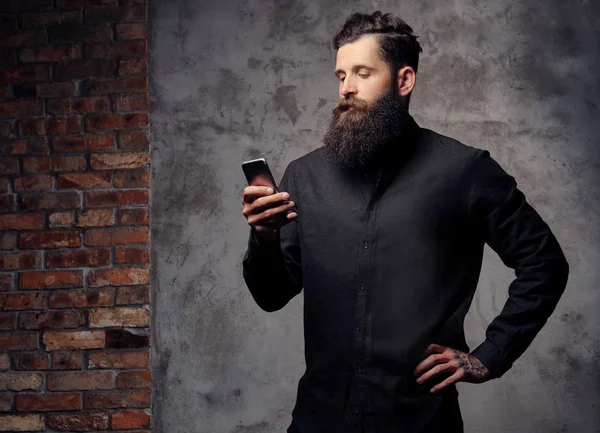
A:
<point x="398" y="45"/>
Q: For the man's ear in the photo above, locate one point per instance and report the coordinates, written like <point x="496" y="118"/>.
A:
<point x="406" y="80"/>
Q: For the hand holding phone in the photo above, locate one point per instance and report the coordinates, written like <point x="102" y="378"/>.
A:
<point x="265" y="208"/>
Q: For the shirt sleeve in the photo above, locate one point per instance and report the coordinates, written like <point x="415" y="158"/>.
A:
<point x="273" y="271"/>
<point x="499" y="211"/>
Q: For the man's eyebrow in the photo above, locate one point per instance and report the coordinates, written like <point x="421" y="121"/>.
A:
<point x="356" y="67"/>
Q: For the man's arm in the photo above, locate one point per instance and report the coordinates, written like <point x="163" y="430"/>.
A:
<point x="272" y="269"/>
<point x="524" y="242"/>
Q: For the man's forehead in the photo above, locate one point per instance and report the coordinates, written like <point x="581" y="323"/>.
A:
<point x="362" y="51"/>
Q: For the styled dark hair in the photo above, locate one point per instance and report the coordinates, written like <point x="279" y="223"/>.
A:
<point x="398" y="45"/>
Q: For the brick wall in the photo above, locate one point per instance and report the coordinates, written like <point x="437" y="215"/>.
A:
<point x="74" y="236"/>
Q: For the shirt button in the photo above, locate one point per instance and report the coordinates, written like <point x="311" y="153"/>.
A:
<point x="362" y="287"/>
<point x="365" y="245"/>
<point x="359" y="369"/>
<point x="358" y="328"/>
<point x="356" y="411"/>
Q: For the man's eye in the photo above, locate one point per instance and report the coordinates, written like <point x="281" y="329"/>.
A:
<point x="341" y="78"/>
<point x="363" y="75"/>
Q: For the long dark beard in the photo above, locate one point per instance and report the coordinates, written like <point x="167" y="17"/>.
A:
<point x="359" y="132"/>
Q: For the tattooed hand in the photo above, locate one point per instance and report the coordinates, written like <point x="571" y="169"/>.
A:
<point x="461" y="366"/>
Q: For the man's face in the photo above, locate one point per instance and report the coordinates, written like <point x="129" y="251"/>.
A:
<point x="361" y="72"/>
<point x="370" y="113"/>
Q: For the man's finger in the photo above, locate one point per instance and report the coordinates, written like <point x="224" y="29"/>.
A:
<point x="429" y="362"/>
<point x="251" y="193"/>
<point x="456" y="377"/>
<point x="436" y="371"/>
<point x="434" y="348"/>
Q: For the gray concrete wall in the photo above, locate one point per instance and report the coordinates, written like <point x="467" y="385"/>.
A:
<point x="232" y="80"/>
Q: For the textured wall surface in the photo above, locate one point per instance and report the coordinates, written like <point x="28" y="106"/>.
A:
<point x="74" y="230"/>
<point x="233" y="80"/>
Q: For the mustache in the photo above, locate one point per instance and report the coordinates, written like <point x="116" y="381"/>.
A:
<point x="345" y="103"/>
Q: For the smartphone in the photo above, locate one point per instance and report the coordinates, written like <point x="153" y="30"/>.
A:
<point x="258" y="173"/>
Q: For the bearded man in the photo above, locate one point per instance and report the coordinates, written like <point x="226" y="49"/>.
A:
<point x="388" y="250"/>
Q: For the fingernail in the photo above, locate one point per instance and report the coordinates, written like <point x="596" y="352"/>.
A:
<point x="285" y="196"/>
<point x="270" y="191"/>
<point x="419" y="381"/>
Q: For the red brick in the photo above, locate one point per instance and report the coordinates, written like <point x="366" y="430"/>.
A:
<point x="7" y="129"/>
<point x="24" y="5"/>
<point x="7" y="203"/>
<point x="119" y="277"/>
<point x="132" y="256"/>
<point x="5" y="94"/>
<point x="6" y="399"/>
<point x="131" y="102"/>
<point x="78" y="33"/>
<point x="42" y="19"/>
<point x="60" y="220"/>
<point x="51" y="126"/>
<point x="29" y="146"/>
<point x="50" y="279"/>
<point x="67" y="4"/>
<point x="82" y="298"/>
<point x="52" y="319"/>
<point x="70" y="143"/>
<point x="29" y="260"/>
<point x="89" y="380"/>
<point x="4" y="365"/>
<point x="86" y="180"/>
<point x="9" y="166"/>
<point x="78" y="106"/>
<point x="21" y="38"/>
<point x="33" y="183"/>
<point x="8" y="241"/>
<point x="114" y="14"/>
<point x="55" y="90"/>
<point x="19" y="341"/>
<point x="135" y="140"/>
<point x="56" y="340"/>
<point x="129" y="419"/>
<point x="21" y="381"/>
<point x="131" y="31"/>
<point x="22" y="301"/>
<point x="107" y="86"/>
<point x="84" y="69"/>
<point x="59" y="53"/>
<point x="32" y="361"/>
<point x="49" y="240"/>
<point x="116" y="160"/>
<point x="69" y="163"/>
<point x="134" y="379"/>
<point x="118" y="399"/>
<point x="20" y="221"/>
<point x="133" y="295"/>
<point x="48" y="402"/>
<point x="134" y="66"/>
<point x="78" y="259"/>
<point x="80" y="421"/>
<point x="127" y="339"/>
<point x="6" y="282"/>
<point x="96" y="218"/>
<point x="116" y="236"/>
<point x="50" y="200"/>
<point x="115" y="50"/>
<point x="37" y="164"/>
<point x="4" y="186"/>
<point x="24" y="74"/>
<point x="116" y="198"/>
<point x="108" y="122"/>
<point x="119" y="360"/>
<point x="25" y="91"/>
<point x="67" y="360"/>
<point x="8" y="322"/>
<point x="21" y="109"/>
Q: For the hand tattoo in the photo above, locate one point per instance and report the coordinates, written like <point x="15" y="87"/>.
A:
<point x="475" y="371"/>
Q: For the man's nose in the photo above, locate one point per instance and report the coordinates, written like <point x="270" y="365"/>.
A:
<point x="348" y="88"/>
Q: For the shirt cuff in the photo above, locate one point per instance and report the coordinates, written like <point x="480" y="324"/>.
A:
<point x="491" y="358"/>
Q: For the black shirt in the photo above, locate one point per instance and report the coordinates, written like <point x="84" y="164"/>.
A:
<point x="389" y="264"/>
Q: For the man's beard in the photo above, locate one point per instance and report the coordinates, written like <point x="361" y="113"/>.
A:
<point x="359" y="132"/>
